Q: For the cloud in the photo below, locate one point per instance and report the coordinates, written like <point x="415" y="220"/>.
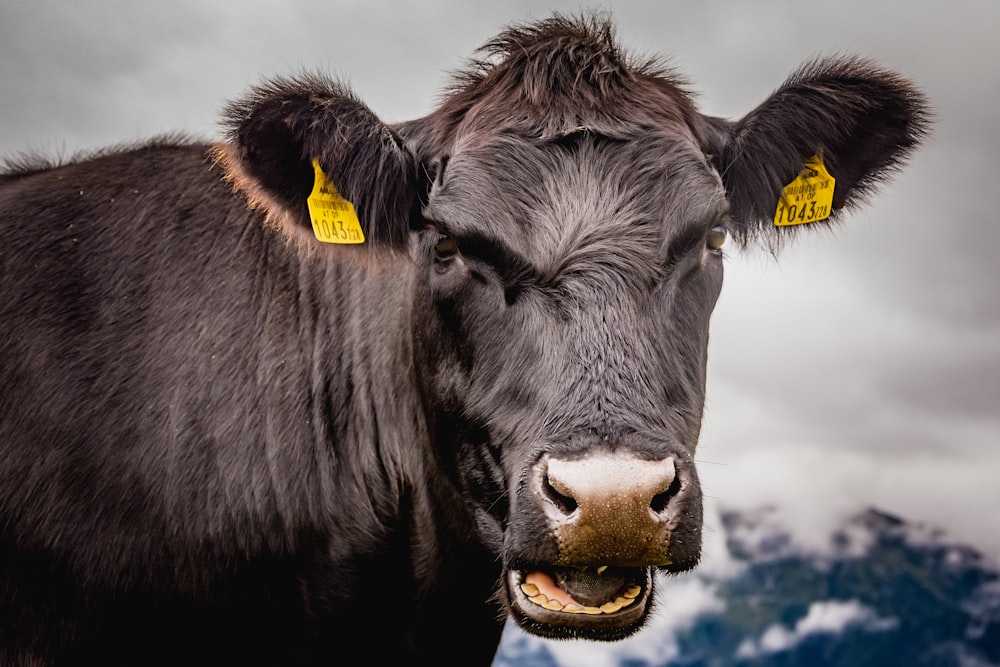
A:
<point x="831" y="617"/>
<point x="825" y="397"/>
<point x="813" y="490"/>
<point x="835" y="364"/>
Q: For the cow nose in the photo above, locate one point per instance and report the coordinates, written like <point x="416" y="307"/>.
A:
<point x="610" y="509"/>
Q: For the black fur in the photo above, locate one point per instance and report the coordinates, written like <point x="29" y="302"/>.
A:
<point x="282" y="125"/>
<point x="863" y="120"/>
<point x="222" y="442"/>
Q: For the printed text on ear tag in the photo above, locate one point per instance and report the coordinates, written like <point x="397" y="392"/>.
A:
<point x="333" y="217"/>
<point x="808" y="198"/>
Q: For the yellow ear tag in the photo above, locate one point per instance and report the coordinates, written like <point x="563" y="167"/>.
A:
<point x="809" y="198"/>
<point x="333" y="217"/>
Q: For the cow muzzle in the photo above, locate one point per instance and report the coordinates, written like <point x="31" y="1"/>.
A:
<point x="612" y="517"/>
<point x="608" y="509"/>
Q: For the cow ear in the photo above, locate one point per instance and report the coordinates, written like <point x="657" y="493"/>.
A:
<point x="862" y="121"/>
<point x="277" y="132"/>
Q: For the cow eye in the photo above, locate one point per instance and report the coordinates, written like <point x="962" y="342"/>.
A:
<point x="445" y="248"/>
<point x="716" y="237"/>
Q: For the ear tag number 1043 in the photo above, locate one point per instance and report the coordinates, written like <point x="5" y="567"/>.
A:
<point x="808" y="198"/>
<point x="333" y="217"/>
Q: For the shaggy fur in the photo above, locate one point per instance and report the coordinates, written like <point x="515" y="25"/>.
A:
<point x="222" y="442"/>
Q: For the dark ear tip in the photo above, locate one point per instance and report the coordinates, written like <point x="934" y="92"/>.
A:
<point x="280" y="126"/>
<point x="864" y="120"/>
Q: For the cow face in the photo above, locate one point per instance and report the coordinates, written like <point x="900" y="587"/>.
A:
<point x="566" y="288"/>
<point x="564" y="212"/>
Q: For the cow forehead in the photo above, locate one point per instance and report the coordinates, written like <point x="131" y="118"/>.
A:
<point x="549" y="197"/>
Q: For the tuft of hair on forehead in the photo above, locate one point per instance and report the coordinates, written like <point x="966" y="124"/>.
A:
<point x="563" y="73"/>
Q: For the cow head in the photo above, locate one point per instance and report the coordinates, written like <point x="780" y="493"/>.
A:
<point x="566" y="210"/>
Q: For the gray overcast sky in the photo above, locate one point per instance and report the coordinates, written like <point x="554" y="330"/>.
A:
<point x="860" y="367"/>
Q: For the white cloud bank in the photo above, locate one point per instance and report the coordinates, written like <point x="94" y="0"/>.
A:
<point x="826" y="617"/>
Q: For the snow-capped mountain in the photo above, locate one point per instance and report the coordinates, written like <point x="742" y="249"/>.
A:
<point x="875" y="591"/>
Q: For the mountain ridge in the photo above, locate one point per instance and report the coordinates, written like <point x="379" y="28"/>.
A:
<point x="882" y="591"/>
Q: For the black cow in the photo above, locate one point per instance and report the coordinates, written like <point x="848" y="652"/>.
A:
<point x="225" y="442"/>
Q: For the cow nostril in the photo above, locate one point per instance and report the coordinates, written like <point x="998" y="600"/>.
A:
<point x="566" y="504"/>
<point x="660" y="500"/>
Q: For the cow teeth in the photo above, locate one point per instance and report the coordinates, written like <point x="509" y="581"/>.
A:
<point x="628" y="597"/>
<point x="601" y="569"/>
<point x="619" y="603"/>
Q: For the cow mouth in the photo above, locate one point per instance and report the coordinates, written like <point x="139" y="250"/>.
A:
<point x="598" y="603"/>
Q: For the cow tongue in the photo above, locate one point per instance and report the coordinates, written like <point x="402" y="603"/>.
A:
<point x="589" y="587"/>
